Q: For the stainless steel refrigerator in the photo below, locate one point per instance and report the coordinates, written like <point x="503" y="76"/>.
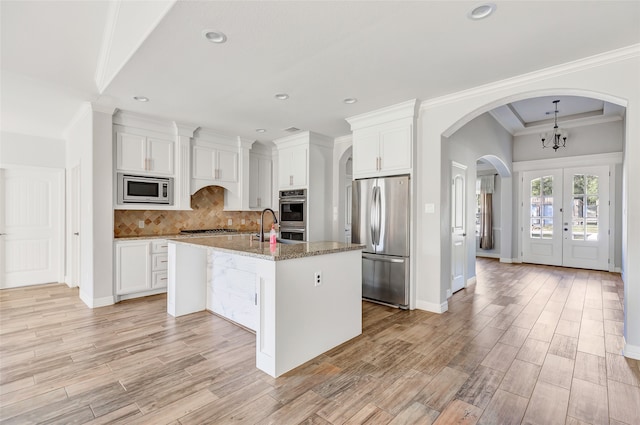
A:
<point x="380" y="222"/>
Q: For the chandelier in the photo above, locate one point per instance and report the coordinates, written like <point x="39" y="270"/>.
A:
<point x="557" y="138"/>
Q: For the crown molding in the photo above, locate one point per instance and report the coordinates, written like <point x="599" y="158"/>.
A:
<point x="245" y="143"/>
<point x="583" y="122"/>
<point x="312" y="138"/>
<point x="141" y="121"/>
<point x="612" y="56"/>
<point x="380" y="116"/>
<point x="570" y="161"/>
<point x="184" y="130"/>
<point x="82" y="111"/>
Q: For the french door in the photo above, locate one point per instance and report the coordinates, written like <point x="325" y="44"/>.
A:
<point x="566" y="217"/>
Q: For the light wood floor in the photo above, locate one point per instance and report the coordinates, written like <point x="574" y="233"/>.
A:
<point x="526" y="344"/>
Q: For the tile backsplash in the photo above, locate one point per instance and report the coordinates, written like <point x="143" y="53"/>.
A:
<point x="207" y="213"/>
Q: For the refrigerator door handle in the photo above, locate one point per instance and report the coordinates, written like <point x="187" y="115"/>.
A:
<point x="372" y="216"/>
<point x="375" y="220"/>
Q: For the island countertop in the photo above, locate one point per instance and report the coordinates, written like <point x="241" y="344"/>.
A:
<point x="244" y="244"/>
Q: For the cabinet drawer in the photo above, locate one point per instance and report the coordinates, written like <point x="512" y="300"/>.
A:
<point x="159" y="246"/>
<point x="159" y="279"/>
<point x="159" y="262"/>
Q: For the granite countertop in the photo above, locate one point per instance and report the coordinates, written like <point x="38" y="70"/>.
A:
<point x="244" y="244"/>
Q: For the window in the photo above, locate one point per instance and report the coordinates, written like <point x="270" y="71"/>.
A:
<point x="584" y="207"/>
<point x="541" y="215"/>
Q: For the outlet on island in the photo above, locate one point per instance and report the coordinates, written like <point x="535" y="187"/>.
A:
<point x="317" y="279"/>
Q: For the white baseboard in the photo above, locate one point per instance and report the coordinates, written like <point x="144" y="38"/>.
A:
<point x="631" y="351"/>
<point x="96" y="302"/>
<point x="432" y="307"/>
<point x="506" y="260"/>
<point x="140" y="294"/>
<point x="487" y="254"/>
<point x="617" y="270"/>
<point x="471" y="280"/>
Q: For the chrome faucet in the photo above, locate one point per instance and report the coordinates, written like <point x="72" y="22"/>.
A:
<point x="275" y="220"/>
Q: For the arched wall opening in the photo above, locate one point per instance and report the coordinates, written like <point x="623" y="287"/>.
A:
<point x="611" y="77"/>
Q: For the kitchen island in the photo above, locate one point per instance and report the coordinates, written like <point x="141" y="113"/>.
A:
<point x="301" y="299"/>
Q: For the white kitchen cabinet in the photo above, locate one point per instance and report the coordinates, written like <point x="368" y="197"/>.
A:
<point x="293" y="167"/>
<point x="383" y="141"/>
<point x="145" y="155"/>
<point x="141" y="266"/>
<point x="382" y="150"/>
<point x="260" y="187"/>
<point x="133" y="267"/>
<point x="305" y="162"/>
<point x="215" y="165"/>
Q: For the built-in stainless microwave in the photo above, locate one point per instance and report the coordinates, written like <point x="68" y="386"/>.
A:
<point x="144" y="190"/>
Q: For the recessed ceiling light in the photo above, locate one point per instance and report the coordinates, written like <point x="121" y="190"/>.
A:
<point x="350" y="100"/>
<point x="482" y="11"/>
<point x="261" y="130"/>
<point x="282" y="96"/>
<point x="141" y="98"/>
<point x="214" y="36"/>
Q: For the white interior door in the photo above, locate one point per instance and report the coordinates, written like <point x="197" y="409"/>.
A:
<point x="586" y="218"/>
<point x="32" y="248"/>
<point x="542" y="226"/>
<point x="75" y="225"/>
<point x="458" y="226"/>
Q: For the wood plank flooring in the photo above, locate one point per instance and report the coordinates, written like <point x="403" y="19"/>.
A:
<point x="525" y="344"/>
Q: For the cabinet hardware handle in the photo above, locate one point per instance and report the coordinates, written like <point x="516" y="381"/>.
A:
<point x="163" y="261"/>
<point x="255" y="298"/>
<point x="163" y="278"/>
<point x="291" y="180"/>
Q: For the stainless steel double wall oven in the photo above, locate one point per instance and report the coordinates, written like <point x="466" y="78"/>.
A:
<point x="293" y="214"/>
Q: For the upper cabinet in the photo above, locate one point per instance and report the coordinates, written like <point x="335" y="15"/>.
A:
<point x="383" y="141"/>
<point x="293" y="166"/>
<point x="214" y="164"/>
<point x="148" y="146"/>
<point x="305" y="162"/>
<point x="221" y="160"/>
<point x="260" y="180"/>
<point x="141" y="154"/>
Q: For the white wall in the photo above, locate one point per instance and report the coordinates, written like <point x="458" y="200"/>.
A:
<point x="89" y="144"/>
<point x="32" y="151"/>
<point x="612" y="77"/>
<point x="481" y="136"/>
<point x="585" y="140"/>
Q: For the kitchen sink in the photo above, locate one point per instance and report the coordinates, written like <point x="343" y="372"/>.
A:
<point x="288" y="241"/>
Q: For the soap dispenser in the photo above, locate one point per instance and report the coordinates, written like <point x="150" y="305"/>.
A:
<point x="273" y="235"/>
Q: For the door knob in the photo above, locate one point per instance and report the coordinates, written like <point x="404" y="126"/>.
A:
<point x="464" y="234"/>
<point x="76" y="233"/>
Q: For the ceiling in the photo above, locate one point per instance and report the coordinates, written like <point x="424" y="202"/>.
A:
<point x="317" y="52"/>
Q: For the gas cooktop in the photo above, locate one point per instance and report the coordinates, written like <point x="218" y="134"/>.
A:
<point x="208" y="231"/>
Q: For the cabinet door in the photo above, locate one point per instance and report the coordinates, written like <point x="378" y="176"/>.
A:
<point x="299" y="166"/>
<point x="395" y="149"/>
<point x="254" y="182"/>
<point x="285" y="179"/>
<point x="264" y="184"/>
<point x="227" y="166"/>
<point x="203" y="163"/>
<point x="160" y="156"/>
<point x="365" y="152"/>
<point x="131" y="152"/>
<point x="259" y="182"/>
<point x="133" y="271"/>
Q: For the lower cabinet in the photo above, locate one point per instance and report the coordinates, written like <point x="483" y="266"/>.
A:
<point x="141" y="265"/>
